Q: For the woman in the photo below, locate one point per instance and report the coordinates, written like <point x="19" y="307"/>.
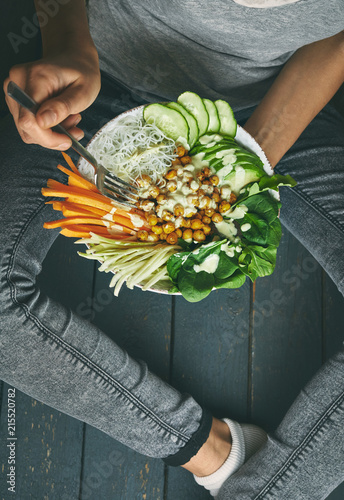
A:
<point x="286" y="55"/>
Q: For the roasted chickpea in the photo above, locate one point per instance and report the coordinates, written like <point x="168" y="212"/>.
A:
<point x="152" y="219"/>
<point x="172" y="238"/>
<point x="197" y="216"/>
<point x="179" y="232"/>
<point x="216" y="197"/>
<point x="217" y="217"/>
<point x="209" y="212"/>
<point x="162" y="236"/>
<point x="168" y="227"/>
<point x="176" y="162"/>
<point x="178" y="210"/>
<point x="187" y="223"/>
<point x="147" y="205"/>
<point x="206" y="229"/>
<point x="153" y="237"/>
<point x="185" y="160"/>
<point x="187" y="234"/>
<point x="154" y="191"/>
<point x="200" y="175"/>
<point x="166" y="215"/>
<point x="224" y="206"/>
<point x="194" y="184"/>
<point x="196" y="224"/>
<point x="161" y="199"/>
<point x="171" y="174"/>
<point x="171" y="186"/>
<point x="206" y="219"/>
<point x="180" y="151"/>
<point x="144" y="180"/>
<point x="206" y="171"/>
<point x="198" y="235"/>
<point x="232" y="198"/>
<point x="142" y="235"/>
<point x="214" y="180"/>
<point x="157" y="229"/>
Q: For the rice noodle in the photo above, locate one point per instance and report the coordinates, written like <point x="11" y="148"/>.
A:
<point x="130" y="147"/>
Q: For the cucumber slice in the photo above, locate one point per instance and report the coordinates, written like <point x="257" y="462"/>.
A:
<point x="169" y="121"/>
<point x="227" y="120"/>
<point x="193" y="127"/>
<point x="194" y="105"/>
<point x="214" y="120"/>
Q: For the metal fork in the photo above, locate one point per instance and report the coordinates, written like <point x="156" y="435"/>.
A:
<point x="108" y="184"/>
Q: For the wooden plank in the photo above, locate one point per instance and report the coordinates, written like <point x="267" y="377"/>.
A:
<point x="140" y="322"/>
<point x="333" y="321"/>
<point x="49" y="442"/>
<point x="48" y="451"/>
<point x="286" y="347"/>
<point x="211" y="341"/>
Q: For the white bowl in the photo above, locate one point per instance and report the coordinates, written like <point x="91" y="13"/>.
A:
<point x="242" y="137"/>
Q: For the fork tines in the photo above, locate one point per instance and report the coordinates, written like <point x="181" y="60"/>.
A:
<point x="116" y="189"/>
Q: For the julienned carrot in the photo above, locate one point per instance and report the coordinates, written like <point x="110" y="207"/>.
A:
<point x="83" y="231"/>
<point x="74" y="220"/>
<point x="69" y="161"/>
<point x="78" y="181"/>
<point x="96" y="221"/>
<point x="73" y="210"/>
<point x="79" y="196"/>
<point x="84" y="197"/>
<point x="77" y="206"/>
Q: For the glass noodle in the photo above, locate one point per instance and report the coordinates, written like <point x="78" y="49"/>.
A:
<point x="129" y="147"/>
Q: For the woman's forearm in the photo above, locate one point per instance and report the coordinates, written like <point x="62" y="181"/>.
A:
<point x="66" y="26"/>
<point x="305" y="85"/>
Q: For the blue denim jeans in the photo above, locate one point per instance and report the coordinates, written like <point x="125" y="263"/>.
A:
<point x="57" y="357"/>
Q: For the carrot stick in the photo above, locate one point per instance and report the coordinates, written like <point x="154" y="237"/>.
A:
<point x="91" y="210"/>
<point x="72" y="221"/>
<point x="83" y="231"/>
<point x="69" y="161"/>
<point x="76" y="180"/>
<point x="79" y="196"/>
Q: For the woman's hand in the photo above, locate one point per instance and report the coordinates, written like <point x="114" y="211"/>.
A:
<point x="64" y="84"/>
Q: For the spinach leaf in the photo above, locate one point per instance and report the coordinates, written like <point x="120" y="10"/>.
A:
<point x="236" y="280"/>
<point x="195" y="286"/>
<point x="226" y="266"/>
<point x="275" y="181"/>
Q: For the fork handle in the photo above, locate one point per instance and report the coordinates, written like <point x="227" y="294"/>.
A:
<point x="28" y="103"/>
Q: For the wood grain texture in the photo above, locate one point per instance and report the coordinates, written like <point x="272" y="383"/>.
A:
<point x="286" y="339"/>
<point x="210" y="355"/>
<point x="140" y="322"/>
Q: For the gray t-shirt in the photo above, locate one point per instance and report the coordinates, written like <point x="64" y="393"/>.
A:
<point x="219" y="49"/>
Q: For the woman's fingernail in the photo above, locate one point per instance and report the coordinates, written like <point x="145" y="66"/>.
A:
<point x="49" y="118"/>
<point x="77" y="120"/>
<point x="65" y="145"/>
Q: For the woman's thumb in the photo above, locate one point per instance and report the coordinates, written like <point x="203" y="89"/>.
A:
<point x="57" y="109"/>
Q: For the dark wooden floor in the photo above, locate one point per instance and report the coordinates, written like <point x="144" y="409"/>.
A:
<point x="244" y="353"/>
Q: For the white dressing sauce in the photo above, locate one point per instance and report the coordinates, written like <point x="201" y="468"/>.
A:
<point x="228" y="250"/>
<point x="238" y="213"/>
<point x="209" y="265"/>
<point x="227" y="229"/>
<point x="245" y="227"/>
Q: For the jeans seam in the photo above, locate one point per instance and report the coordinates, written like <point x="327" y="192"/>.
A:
<point x="302" y="446"/>
<point x="72" y="350"/>
<point x="318" y="209"/>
